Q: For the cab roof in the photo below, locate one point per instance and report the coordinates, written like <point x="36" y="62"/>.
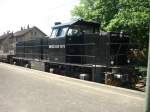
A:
<point x="77" y="22"/>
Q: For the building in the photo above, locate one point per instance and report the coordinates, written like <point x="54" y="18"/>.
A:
<point x="5" y="42"/>
<point x="8" y="41"/>
<point x="28" y="34"/>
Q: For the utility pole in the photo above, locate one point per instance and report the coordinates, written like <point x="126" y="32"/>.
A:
<point x="147" y="106"/>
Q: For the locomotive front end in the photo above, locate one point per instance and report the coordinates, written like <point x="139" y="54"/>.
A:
<point x="120" y="66"/>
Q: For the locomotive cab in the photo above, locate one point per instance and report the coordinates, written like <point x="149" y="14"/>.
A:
<point x="70" y="42"/>
<point x="74" y="29"/>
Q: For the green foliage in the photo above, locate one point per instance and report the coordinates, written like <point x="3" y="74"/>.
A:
<point x="134" y="18"/>
<point x="131" y="16"/>
<point x="97" y="10"/>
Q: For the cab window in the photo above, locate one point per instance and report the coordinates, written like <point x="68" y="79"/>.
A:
<point x="75" y="30"/>
<point x="59" y="32"/>
<point x="62" y="32"/>
<point x="54" y="33"/>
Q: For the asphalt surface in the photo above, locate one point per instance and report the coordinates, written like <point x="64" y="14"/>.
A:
<point x="26" y="90"/>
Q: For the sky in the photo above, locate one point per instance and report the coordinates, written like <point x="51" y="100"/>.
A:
<point x="15" y="14"/>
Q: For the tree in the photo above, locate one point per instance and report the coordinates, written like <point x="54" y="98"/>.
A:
<point x="133" y="17"/>
<point x="101" y="11"/>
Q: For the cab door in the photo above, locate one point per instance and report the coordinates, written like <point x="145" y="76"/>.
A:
<point x="74" y="46"/>
<point x="57" y="42"/>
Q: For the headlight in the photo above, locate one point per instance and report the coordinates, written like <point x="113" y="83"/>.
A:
<point x="128" y="61"/>
<point x="111" y="62"/>
<point x="118" y="76"/>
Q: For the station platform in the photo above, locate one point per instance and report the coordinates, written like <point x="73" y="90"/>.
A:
<point x="28" y="90"/>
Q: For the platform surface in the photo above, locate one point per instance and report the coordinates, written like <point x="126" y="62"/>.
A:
<point x="26" y="90"/>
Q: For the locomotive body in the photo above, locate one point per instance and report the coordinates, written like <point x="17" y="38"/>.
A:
<point x="79" y="50"/>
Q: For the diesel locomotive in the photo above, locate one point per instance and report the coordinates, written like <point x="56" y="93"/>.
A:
<point x="78" y="49"/>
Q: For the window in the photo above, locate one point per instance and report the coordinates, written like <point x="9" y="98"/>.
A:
<point x="18" y="39"/>
<point x="59" y="32"/>
<point x="79" y="29"/>
<point x="31" y="33"/>
<point x="75" y="30"/>
<point x="54" y="33"/>
<point x="87" y="29"/>
<point x="62" y="32"/>
<point x="72" y="32"/>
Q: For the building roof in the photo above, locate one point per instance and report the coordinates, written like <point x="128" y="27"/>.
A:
<point x="20" y="33"/>
<point x="25" y="31"/>
<point x="7" y="35"/>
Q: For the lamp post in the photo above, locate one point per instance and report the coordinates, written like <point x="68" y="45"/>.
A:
<point x="147" y="106"/>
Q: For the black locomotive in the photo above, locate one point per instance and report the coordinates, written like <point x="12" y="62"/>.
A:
<point x="77" y="49"/>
